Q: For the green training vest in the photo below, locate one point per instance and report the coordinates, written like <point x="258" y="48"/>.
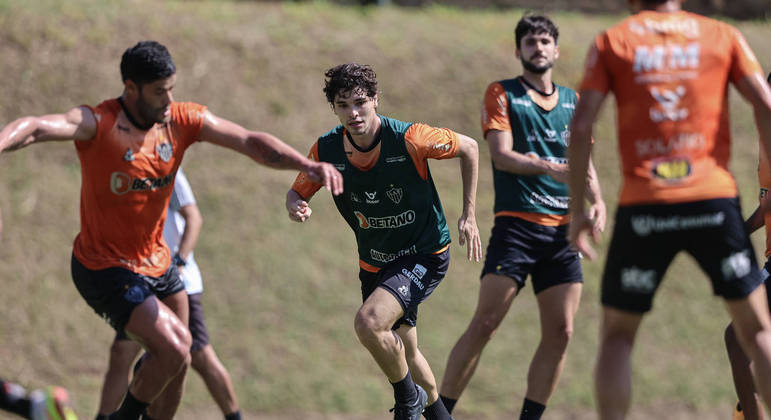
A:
<point x="540" y="133"/>
<point x="391" y="209"/>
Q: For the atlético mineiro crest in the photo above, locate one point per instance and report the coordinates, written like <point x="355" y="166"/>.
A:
<point x="395" y="194"/>
<point x="129" y="156"/>
<point x="164" y="151"/>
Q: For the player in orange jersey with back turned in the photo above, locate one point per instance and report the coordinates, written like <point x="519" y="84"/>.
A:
<point x="669" y="71"/>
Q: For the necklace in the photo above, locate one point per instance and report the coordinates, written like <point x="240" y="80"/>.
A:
<point x="542" y="93"/>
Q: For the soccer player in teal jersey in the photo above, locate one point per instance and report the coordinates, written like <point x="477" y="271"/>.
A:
<point x="526" y="122"/>
<point x="392" y="205"/>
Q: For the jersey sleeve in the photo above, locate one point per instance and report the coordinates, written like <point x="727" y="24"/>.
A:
<point x="596" y="74"/>
<point x="182" y="194"/>
<point x="190" y="117"/>
<point x="495" y="109"/>
<point x="743" y="60"/>
<point x="425" y="142"/>
<point x="304" y="185"/>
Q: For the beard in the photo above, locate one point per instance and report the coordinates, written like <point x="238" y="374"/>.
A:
<point x="535" y="68"/>
<point x="149" y="114"/>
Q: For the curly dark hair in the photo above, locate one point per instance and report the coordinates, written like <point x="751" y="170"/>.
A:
<point x="146" y="62"/>
<point x="348" y="78"/>
<point x="535" y="24"/>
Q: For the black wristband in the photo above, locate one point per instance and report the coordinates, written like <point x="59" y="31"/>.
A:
<point x="178" y="261"/>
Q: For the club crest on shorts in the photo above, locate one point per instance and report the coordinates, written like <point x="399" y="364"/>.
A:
<point x="403" y="289"/>
<point x="164" y="151"/>
<point x="395" y="194"/>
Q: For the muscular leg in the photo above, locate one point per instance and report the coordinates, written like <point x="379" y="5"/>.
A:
<point x="166" y="404"/>
<point x="167" y="342"/>
<point x="496" y="293"/>
<point x="116" y="380"/>
<point x="742" y="375"/>
<point x="373" y="324"/>
<point x="418" y="365"/>
<point x="613" y="373"/>
<point x="752" y="324"/>
<point x="216" y="377"/>
<point x="557" y="306"/>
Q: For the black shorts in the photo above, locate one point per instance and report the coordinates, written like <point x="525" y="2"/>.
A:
<point x="197" y="325"/>
<point x="647" y="237"/>
<point x="765" y="275"/>
<point x="518" y="247"/>
<point x="114" y="292"/>
<point x="411" y="279"/>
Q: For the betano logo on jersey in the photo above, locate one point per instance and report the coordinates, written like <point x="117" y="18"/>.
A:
<point x="122" y="183"/>
<point x="388" y="222"/>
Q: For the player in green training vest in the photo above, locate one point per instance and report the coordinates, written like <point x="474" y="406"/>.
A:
<point x="526" y="122"/>
<point x="391" y="204"/>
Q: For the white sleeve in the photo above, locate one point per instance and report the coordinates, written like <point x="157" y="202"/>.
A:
<point x="183" y="194"/>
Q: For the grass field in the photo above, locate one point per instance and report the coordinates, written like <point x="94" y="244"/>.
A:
<point x="280" y="297"/>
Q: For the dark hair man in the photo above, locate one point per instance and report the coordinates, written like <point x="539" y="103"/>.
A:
<point x="526" y="122"/>
<point x="130" y="149"/>
<point x="393" y="208"/>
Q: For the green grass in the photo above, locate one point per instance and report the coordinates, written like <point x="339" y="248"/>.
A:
<point x="280" y="297"/>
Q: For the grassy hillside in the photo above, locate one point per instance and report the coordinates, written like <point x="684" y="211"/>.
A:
<point x="280" y="297"/>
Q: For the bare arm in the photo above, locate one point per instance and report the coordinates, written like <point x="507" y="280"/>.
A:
<point x="76" y="124"/>
<point x="297" y="207"/>
<point x="193" y="223"/>
<point x="500" y="144"/>
<point x="756" y="91"/>
<point x="468" y="152"/>
<point x="579" y="153"/>
<point x="268" y="150"/>
<point x="597" y="210"/>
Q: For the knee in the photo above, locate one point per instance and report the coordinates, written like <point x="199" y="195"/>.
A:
<point x="367" y="326"/>
<point x="558" y="337"/>
<point x="176" y="354"/>
<point x="483" y="327"/>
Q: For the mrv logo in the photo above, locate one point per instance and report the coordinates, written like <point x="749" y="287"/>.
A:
<point x="121" y="183"/>
<point x="388" y="222"/>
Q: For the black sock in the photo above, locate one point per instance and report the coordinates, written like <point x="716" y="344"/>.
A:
<point x="131" y="408"/>
<point x="437" y="411"/>
<point x="404" y="390"/>
<point x="449" y="403"/>
<point x="234" y="416"/>
<point x="14" y="398"/>
<point x="531" y="410"/>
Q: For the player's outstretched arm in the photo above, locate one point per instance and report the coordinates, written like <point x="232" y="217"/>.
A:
<point x="468" y="232"/>
<point x="579" y="155"/>
<point x="76" y="124"/>
<point x="297" y="207"/>
<point x="268" y="150"/>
